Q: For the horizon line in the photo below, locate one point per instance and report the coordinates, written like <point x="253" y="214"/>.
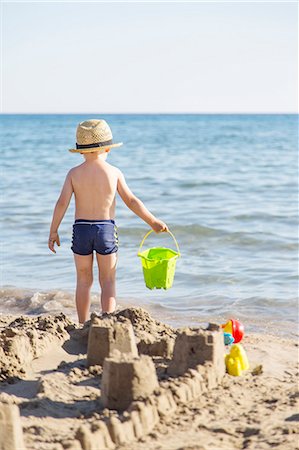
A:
<point x="153" y="113"/>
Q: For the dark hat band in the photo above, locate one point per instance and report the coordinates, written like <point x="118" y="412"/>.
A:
<point x="98" y="144"/>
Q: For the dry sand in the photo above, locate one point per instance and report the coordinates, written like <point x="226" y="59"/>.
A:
<point x="43" y="371"/>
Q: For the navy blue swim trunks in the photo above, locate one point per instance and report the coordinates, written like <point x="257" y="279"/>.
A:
<point x="98" y="235"/>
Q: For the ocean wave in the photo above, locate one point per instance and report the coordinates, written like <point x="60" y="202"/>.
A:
<point x="187" y="234"/>
<point x="259" y="314"/>
<point x="27" y="301"/>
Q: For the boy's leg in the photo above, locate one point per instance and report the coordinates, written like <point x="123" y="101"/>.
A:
<point x="107" y="269"/>
<point x="84" y="283"/>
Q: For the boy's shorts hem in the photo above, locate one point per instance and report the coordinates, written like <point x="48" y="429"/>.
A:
<point x="81" y="254"/>
<point x="99" y="253"/>
<point x="107" y="254"/>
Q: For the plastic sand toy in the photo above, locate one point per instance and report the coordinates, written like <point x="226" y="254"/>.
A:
<point x="236" y="361"/>
<point x="228" y="338"/>
<point x="235" y="328"/>
<point x="158" y="264"/>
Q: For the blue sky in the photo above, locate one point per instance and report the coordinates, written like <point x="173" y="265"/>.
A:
<point x="149" y="57"/>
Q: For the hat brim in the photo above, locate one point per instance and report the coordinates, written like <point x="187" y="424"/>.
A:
<point x="101" y="149"/>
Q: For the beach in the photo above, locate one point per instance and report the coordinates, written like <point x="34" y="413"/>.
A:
<point x="44" y="372"/>
<point x="190" y="108"/>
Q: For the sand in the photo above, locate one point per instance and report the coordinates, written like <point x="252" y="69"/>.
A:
<point x="43" y="371"/>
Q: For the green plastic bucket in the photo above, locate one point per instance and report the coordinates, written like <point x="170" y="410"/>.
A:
<point x="158" y="264"/>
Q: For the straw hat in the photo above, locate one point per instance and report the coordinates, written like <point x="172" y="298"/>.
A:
<point x="93" y="136"/>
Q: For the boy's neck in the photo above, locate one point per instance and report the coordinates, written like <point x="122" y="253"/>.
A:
<point x="95" y="156"/>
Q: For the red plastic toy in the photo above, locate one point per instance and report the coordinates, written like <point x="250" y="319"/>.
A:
<point x="235" y="328"/>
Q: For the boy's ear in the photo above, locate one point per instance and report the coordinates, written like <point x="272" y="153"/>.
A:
<point x="107" y="150"/>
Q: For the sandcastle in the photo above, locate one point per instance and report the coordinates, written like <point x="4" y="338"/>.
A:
<point x="130" y="384"/>
<point x="138" y="389"/>
<point x="126" y="378"/>
<point x="109" y="334"/>
<point x="197" y="346"/>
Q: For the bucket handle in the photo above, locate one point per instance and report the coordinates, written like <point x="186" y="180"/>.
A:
<point x="151" y="231"/>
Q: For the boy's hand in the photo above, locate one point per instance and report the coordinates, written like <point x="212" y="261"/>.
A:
<point x="52" y="239"/>
<point x="158" y="226"/>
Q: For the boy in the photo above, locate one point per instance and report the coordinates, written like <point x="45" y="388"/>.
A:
<point x="94" y="184"/>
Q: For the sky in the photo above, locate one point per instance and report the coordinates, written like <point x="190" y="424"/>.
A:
<point x="166" y="57"/>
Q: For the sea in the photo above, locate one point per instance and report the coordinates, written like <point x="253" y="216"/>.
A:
<point x="226" y="185"/>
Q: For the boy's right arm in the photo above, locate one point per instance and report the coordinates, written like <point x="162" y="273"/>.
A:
<point x="59" y="211"/>
<point x="137" y="206"/>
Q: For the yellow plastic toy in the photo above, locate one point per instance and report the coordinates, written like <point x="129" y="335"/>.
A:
<point x="236" y="361"/>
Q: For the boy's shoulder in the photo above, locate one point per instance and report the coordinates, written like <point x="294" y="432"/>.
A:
<point x="75" y="168"/>
<point x="114" y="168"/>
<point x="73" y="171"/>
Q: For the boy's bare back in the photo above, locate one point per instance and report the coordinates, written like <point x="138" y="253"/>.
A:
<point x="94" y="185"/>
